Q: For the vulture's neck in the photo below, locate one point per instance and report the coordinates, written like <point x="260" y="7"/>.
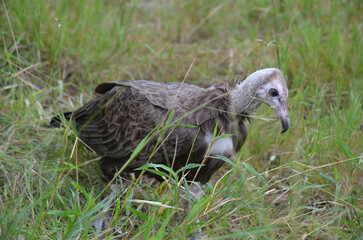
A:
<point x="244" y="95"/>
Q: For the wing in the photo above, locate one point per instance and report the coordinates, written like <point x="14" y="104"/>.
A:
<point x="114" y="123"/>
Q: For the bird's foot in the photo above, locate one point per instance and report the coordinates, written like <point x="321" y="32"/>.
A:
<point x="101" y="221"/>
<point x="197" y="190"/>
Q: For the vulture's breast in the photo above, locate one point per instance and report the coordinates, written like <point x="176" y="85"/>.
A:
<point x="220" y="146"/>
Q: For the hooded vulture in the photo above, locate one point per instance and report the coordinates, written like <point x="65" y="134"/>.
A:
<point x="114" y="123"/>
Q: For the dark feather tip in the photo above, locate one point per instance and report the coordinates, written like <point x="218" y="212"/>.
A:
<point x="56" y="122"/>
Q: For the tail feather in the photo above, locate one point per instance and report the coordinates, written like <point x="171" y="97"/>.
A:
<point x="56" y="121"/>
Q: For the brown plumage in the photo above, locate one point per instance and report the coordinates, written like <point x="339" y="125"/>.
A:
<point x="115" y="122"/>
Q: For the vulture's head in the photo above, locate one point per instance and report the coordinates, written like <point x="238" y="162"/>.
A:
<point x="263" y="86"/>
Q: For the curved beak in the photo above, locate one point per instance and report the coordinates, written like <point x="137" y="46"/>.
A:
<point x="283" y="114"/>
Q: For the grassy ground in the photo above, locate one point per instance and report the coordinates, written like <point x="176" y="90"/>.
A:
<point x="305" y="184"/>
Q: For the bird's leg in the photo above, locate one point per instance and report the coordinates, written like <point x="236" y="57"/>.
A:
<point x="102" y="219"/>
<point x="196" y="188"/>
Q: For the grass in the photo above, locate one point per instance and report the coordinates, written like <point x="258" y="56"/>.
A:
<point x="304" y="184"/>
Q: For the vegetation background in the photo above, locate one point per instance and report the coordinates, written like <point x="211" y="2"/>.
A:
<point x="304" y="184"/>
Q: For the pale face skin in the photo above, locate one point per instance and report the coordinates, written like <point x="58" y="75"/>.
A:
<point x="263" y="86"/>
<point x="274" y="93"/>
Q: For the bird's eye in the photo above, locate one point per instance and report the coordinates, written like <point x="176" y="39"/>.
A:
<point x="273" y="92"/>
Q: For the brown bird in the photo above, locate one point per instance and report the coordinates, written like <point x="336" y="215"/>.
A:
<point x="114" y="123"/>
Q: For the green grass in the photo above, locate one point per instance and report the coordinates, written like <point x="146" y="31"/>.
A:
<point x="304" y="184"/>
